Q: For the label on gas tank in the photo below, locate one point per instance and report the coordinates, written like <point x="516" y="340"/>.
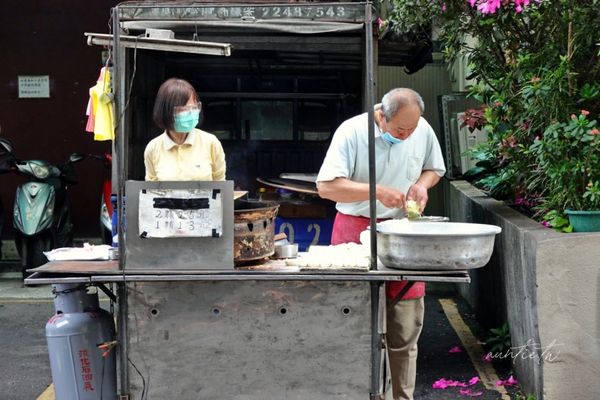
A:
<point x="170" y="213"/>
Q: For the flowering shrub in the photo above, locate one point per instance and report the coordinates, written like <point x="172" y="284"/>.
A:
<point x="535" y="63"/>
<point x="568" y="156"/>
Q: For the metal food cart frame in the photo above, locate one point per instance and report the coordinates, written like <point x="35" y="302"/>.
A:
<point x="100" y="273"/>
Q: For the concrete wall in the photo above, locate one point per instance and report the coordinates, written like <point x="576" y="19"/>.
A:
<point x="546" y="285"/>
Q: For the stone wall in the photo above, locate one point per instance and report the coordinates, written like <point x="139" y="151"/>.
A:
<point x="546" y="285"/>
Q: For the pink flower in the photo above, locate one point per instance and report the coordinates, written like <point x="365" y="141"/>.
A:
<point x="489" y="6"/>
<point x="594" y="131"/>
<point x="573" y="116"/>
<point x="444" y="7"/>
<point x="472" y="2"/>
<point x="455" y="349"/>
<point x="519" y="4"/>
<point x="522" y="2"/>
<point x="488" y="357"/>
<point x="585" y="112"/>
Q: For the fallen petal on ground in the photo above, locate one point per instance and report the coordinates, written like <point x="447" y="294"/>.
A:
<point x="443" y="383"/>
<point x="455" y="349"/>
<point x="468" y="392"/>
<point x="474" y="380"/>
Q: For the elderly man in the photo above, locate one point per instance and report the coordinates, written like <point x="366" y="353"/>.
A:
<point x="408" y="163"/>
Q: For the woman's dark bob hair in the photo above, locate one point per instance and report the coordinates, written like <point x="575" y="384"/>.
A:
<point x="172" y="93"/>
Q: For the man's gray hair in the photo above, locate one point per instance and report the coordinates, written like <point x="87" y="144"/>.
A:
<point x="398" y="98"/>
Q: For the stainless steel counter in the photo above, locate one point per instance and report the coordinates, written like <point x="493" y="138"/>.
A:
<point x="272" y="270"/>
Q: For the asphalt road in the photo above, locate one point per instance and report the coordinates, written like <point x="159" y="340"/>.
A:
<point x="24" y="365"/>
<point x="25" y="371"/>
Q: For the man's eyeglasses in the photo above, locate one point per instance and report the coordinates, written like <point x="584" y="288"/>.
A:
<point x="191" y="107"/>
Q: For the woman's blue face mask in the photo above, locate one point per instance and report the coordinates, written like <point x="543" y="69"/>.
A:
<point x="186" y="121"/>
<point x="391" y="139"/>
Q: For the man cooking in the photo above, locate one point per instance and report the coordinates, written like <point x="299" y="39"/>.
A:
<point x="408" y="163"/>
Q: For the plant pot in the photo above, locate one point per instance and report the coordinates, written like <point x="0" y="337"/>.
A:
<point x="584" y="221"/>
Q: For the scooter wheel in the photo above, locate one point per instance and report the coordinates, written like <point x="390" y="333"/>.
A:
<point x="32" y="251"/>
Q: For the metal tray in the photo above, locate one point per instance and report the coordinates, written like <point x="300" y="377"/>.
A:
<point x="435" y="245"/>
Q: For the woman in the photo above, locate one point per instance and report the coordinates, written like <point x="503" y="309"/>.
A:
<point x="182" y="152"/>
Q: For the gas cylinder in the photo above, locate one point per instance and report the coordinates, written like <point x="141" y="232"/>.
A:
<point x="79" y="326"/>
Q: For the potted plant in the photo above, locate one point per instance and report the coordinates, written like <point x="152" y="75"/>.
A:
<point x="568" y="170"/>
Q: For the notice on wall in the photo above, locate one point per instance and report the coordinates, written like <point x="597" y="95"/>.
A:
<point x="34" y="86"/>
<point x="169" y="213"/>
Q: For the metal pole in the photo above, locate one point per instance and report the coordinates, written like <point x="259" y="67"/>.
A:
<point x="119" y="88"/>
<point x="369" y="88"/>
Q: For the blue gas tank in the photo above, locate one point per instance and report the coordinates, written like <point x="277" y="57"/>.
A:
<point x="79" y="370"/>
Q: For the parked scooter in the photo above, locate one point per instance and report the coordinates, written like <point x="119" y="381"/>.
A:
<point x="106" y="207"/>
<point x="7" y="164"/>
<point x="41" y="212"/>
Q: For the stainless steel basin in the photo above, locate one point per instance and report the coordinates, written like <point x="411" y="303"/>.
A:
<point x="435" y="245"/>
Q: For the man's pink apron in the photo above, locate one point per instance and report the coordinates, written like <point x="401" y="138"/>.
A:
<point x="347" y="229"/>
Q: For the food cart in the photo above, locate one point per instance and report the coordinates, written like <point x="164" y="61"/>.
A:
<point x="192" y="322"/>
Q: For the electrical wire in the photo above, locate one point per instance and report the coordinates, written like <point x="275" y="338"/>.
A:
<point x="141" y="376"/>
<point x="102" y="377"/>
<point x="141" y="353"/>
<point x="129" y="90"/>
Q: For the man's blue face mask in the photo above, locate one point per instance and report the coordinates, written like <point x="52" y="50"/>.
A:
<point x="391" y="139"/>
<point x="186" y="121"/>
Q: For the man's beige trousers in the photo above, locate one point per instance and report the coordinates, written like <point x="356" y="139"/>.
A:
<point x="404" y="324"/>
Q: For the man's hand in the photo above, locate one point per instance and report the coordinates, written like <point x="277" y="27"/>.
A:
<point x="390" y="197"/>
<point x="418" y="193"/>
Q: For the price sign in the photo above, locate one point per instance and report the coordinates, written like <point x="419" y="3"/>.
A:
<point x="168" y="213"/>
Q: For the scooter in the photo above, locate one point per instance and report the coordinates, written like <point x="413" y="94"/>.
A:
<point x="7" y="162"/>
<point x="41" y="212"/>
<point x="106" y="207"/>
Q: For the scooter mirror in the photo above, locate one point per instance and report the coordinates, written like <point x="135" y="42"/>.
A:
<point x="5" y="146"/>
<point x="76" y="157"/>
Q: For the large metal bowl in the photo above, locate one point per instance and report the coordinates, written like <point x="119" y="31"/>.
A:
<point x="435" y="245"/>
